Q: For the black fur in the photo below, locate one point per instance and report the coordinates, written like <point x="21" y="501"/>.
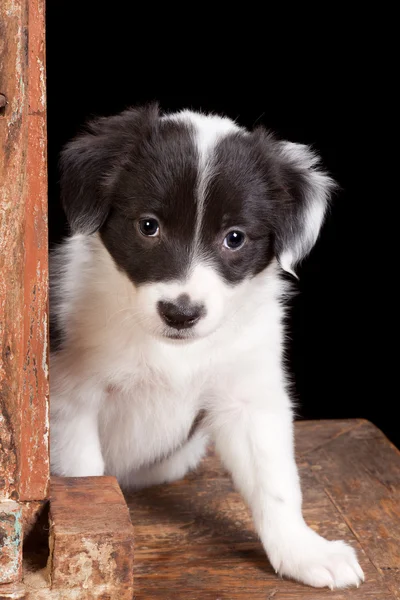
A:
<point x="158" y="179"/>
<point x="136" y="165"/>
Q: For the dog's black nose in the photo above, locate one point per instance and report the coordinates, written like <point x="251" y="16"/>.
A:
<point x="181" y="313"/>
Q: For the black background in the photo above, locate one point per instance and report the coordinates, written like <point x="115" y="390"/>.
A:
<point x="102" y="58"/>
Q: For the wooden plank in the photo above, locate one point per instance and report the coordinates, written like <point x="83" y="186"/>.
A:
<point x="91" y="540"/>
<point x="67" y="491"/>
<point x="34" y="460"/>
<point x="24" y="465"/>
<point x="13" y="81"/>
<point x="360" y="472"/>
<point x="311" y="435"/>
<point x="195" y="538"/>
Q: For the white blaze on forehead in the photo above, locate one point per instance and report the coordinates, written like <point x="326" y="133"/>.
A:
<point x="208" y="131"/>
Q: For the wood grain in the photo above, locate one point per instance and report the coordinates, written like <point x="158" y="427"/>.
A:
<point x="360" y="473"/>
<point x="91" y="540"/>
<point x="24" y="464"/>
<point x="13" y="80"/>
<point x="34" y="457"/>
<point x="195" y="539"/>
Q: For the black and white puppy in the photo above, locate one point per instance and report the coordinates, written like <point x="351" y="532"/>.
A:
<point x="169" y="300"/>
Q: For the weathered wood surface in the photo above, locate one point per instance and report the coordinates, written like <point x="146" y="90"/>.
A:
<point x="10" y="541"/>
<point x="24" y="464"/>
<point x="87" y="526"/>
<point x="12" y="591"/>
<point x="194" y="539"/>
<point x="91" y="543"/>
<point x="23" y="254"/>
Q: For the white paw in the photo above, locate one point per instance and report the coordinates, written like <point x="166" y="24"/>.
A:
<point x="312" y="560"/>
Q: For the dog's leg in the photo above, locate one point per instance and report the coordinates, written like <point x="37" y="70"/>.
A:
<point x="74" y="441"/>
<point x="253" y="432"/>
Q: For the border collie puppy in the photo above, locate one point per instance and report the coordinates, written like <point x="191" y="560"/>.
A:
<point x="168" y="304"/>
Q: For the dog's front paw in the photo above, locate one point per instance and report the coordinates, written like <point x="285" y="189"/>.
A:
<point x="312" y="560"/>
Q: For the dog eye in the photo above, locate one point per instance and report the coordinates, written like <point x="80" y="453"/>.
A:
<point x="149" y="227"/>
<point x="234" y="240"/>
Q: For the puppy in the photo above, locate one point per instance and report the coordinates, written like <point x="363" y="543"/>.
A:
<point x="167" y="302"/>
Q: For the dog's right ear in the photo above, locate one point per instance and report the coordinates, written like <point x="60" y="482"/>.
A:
<point x="90" y="162"/>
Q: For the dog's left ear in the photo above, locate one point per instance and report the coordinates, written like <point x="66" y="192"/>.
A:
<point x="301" y="195"/>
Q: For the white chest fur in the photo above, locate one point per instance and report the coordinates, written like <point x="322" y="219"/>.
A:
<point x="148" y="413"/>
<point x="147" y="391"/>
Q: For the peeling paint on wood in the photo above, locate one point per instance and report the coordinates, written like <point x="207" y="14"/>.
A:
<point x="31" y="511"/>
<point x="91" y="539"/>
<point x="12" y="174"/>
<point x="24" y="460"/>
<point x="10" y="542"/>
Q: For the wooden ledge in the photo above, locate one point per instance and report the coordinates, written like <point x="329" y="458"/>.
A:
<point x="194" y="539"/>
<point x="88" y="545"/>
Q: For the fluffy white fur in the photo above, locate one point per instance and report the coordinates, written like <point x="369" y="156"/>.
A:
<point x="121" y="395"/>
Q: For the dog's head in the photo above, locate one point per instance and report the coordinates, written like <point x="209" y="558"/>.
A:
<point x="191" y="208"/>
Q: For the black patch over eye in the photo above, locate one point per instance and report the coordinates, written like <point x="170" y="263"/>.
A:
<point x="149" y="227"/>
<point x="234" y="240"/>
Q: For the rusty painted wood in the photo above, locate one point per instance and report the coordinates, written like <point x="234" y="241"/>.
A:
<point x="194" y="539"/>
<point x="91" y="540"/>
<point x="13" y="80"/>
<point x="10" y="542"/>
<point x="24" y="465"/>
<point x="34" y="461"/>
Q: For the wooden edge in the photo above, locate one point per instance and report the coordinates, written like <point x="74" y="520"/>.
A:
<point x="34" y="425"/>
<point x="360" y="474"/>
<point x="90" y="543"/>
<point x="312" y="435"/>
<point x="31" y="513"/>
<point x="12" y="591"/>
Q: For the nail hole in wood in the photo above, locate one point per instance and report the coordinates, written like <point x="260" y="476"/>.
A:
<point x="3" y="104"/>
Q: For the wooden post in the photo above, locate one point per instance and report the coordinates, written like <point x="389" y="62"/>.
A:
<point x="24" y="464"/>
